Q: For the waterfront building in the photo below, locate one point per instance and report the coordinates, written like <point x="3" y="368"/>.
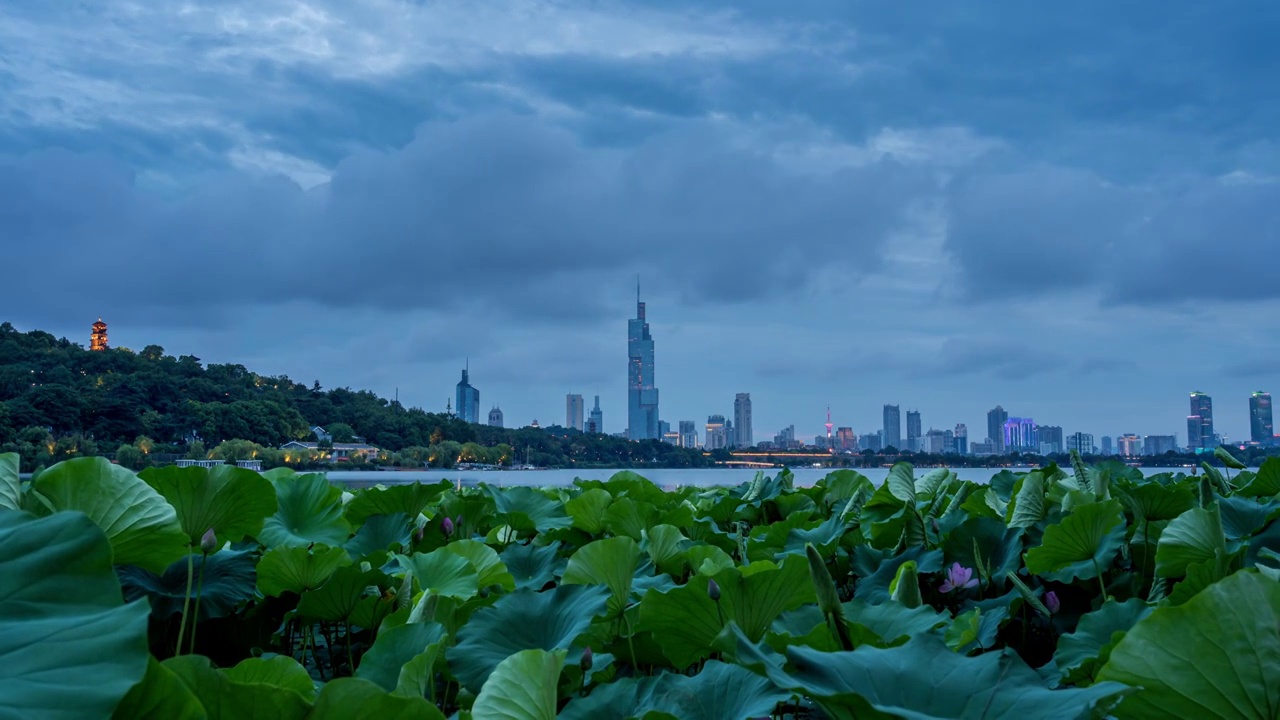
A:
<point x="98" y="336"/>
<point x="642" y="394"/>
<point x="1130" y="445"/>
<point x="467" y="398"/>
<point x="1049" y="439"/>
<point x="335" y="452"/>
<point x="938" y="442"/>
<point x="996" y="418"/>
<point x="845" y="439"/>
<point x="742" y="436"/>
<point x="1159" y="444"/>
<point x="1200" y="435"/>
<point x="913" y="430"/>
<point x="1106" y="445"/>
<point x="962" y="439"/>
<point x="688" y="435"/>
<point x="715" y="439"/>
<point x="986" y="447"/>
<point x="871" y="441"/>
<point x="892" y="435"/>
<point x="574" y="412"/>
<point x="495" y="417"/>
<point x="596" y="418"/>
<point x="1080" y="442"/>
<point x="1261" y="428"/>
<point x="1020" y="435"/>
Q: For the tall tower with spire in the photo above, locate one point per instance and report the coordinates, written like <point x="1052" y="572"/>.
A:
<point x="830" y="441"/>
<point x="468" y="405"/>
<point x="642" y="393"/>
<point x="98" y="338"/>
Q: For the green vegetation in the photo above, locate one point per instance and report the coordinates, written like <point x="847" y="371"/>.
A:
<point x="224" y="593"/>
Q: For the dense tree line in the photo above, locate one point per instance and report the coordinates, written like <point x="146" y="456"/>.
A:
<point x="59" y="400"/>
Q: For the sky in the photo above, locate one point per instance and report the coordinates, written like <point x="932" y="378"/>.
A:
<point x="1070" y="210"/>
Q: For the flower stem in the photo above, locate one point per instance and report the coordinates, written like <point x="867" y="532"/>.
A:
<point x="186" y="604"/>
<point x="1101" y="584"/>
<point x="351" y="660"/>
<point x="195" y="618"/>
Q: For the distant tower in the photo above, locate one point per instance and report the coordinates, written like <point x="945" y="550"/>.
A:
<point x="574" y="415"/>
<point x="468" y="398"/>
<point x="595" y="423"/>
<point x="98" y="338"/>
<point x="830" y="443"/>
<point x="495" y="417"/>
<point x="743" y="437"/>
<point x="642" y="393"/>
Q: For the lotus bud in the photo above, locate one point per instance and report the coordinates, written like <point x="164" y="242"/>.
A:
<point x="713" y="590"/>
<point x="823" y="586"/>
<point x="1051" y="602"/>
<point x="446" y="526"/>
<point x="585" y="662"/>
<point x="209" y="541"/>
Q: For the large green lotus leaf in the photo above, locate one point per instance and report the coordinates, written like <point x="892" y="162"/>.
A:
<point x="527" y="509"/>
<point x="720" y="692"/>
<point x="485" y="560"/>
<point x="226" y="699"/>
<point x="617" y="700"/>
<point x="442" y="573"/>
<point x="386" y="662"/>
<point x="159" y="695"/>
<point x="1082" y="653"/>
<point x="1153" y="501"/>
<point x="1214" y="657"/>
<point x="229" y="580"/>
<point x="588" y="509"/>
<point x="68" y="647"/>
<point x="902" y="483"/>
<point x="874" y="587"/>
<point x="233" y="502"/>
<point x="612" y="563"/>
<point x="631" y="518"/>
<point x="1083" y="544"/>
<point x="338" y="597"/>
<point x="1029" y="506"/>
<point x="824" y="536"/>
<point x="893" y="621"/>
<point x="684" y="620"/>
<point x="295" y="569"/>
<point x="1266" y="483"/>
<point x="986" y="539"/>
<point x="533" y="566"/>
<point x="141" y="525"/>
<point x="409" y="499"/>
<point x="523" y="620"/>
<point x="667" y="548"/>
<point x="310" y="511"/>
<point x="522" y="687"/>
<point x="633" y="485"/>
<point x="1242" y="517"/>
<point x="10" y="482"/>
<point x="924" y="680"/>
<point x="277" y="671"/>
<point x="380" y="533"/>
<point x="1195" y="536"/>
<point x="347" y="698"/>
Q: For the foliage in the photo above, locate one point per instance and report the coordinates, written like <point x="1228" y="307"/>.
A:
<point x="1043" y="593"/>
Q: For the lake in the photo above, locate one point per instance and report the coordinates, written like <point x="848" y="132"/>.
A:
<point x="667" y="478"/>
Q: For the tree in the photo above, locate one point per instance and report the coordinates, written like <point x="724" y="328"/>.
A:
<point x="130" y="457"/>
<point x="341" y="432"/>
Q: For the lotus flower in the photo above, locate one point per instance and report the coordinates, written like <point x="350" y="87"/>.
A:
<point x="209" y="541"/>
<point x="447" y="526"/>
<point x="958" y="578"/>
<point x="1051" y="602"/>
<point x="713" y="590"/>
<point x="585" y="662"/>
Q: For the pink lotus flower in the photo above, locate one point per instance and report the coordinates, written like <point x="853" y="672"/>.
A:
<point x="1051" y="602"/>
<point x="958" y="578"/>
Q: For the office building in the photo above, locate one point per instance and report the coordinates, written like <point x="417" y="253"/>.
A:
<point x="1200" y="435"/>
<point x="962" y="439"/>
<point x="495" y="417"/>
<point x="688" y="435"/>
<point x="996" y="418"/>
<point x="1106" y="445"/>
<point x="913" y="430"/>
<point x="1129" y="445"/>
<point x="671" y="437"/>
<point x="1159" y="444"/>
<point x="467" y="399"/>
<point x="742" y="436"/>
<point x="664" y="427"/>
<point x="938" y="442"/>
<point x="574" y="412"/>
<point x="846" y="440"/>
<point x="715" y="439"/>
<point x="873" y="441"/>
<point x="1049" y="439"/>
<point x="1020" y="435"/>
<point x="985" y="447"/>
<point x="595" y="421"/>
<point x="891" y="436"/>
<point x="1080" y="442"/>
<point x="1261" y="429"/>
<point x="642" y="393"/>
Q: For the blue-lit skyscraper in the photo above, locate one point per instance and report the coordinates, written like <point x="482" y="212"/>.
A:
<point x="468" y="400"/>
<point x="642" y="395"/>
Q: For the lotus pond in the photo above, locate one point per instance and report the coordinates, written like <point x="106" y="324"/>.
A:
<point x="1057" y="593"/>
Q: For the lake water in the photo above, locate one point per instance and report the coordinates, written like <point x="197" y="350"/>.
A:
<point x="667" y="478"/>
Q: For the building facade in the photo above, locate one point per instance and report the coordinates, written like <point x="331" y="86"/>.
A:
<point x="892" y="434"/>
<point x="716" y="438"/>
<point x="574" y="412"/>
<point x="846" y="440"/>
<point x="1261" y="428"/>
<point x="996" y="418"/>
<point x="1080" y="442"/>
<point x="98" y="336"/>
<point x="742" y="436"/>
<point x="467" y="399"/>
<point x="1050" y="440"/>
<point x="962" y="439"/>
<point x="1159" y="444"/>
<point x="913" y="430"/>
<point x="1129" y="445"/>
<point x="642" y="394"/>
<point x="596" y="419"/>
<point x="495" y="417"/>
<point x="1020" y="435"/>
<point x="1200" y="435"/>
<point x="1106" y="446"/>
<point x="688" y="435"/>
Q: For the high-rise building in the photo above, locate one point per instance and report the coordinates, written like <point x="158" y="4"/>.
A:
<point x="1200" y="435"/>
<point x="962" y="439"/>
<point x="688" y="435"/>
<point x="786" y="438"/>
<point x="1261" y="429"/>
<point x="98" y="337"/>
<point x="846" y="439"/>
<point x="642" y="394"/>
<point x="938" y="442"/>
<point x="742" y="421"/>
<point x="913" y="430"/>
<point x="468" y="399"/>
<point x="1080" y="442"/>
<point x="1129" y="445"/>
<point x="574" y="411"/>
<point x="1159" y="444"/>
<point x="1106" y="445"/>
<point x="996" y="418"/>
<point x="1020" y="435"/>
<point x="715" y="438"/>
<point x="1049" y="439"/>
<point x="595" y="420"/>
<point x="495" y="417"/>
<point x="873" y="441"/>
<point x="892" y="436"/>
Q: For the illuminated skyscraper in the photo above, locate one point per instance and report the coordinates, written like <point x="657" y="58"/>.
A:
<point x="573" y="411"/>
<point x="468" y="399"/>
<point x="1020" y="435"/>
<point x="892" y="436"/>
<point x="1200" y="435"/>
<point x="715" y="438"/>
<point x="1261" y="429"/>
<point x="98" y="338"/>
<point x="642" y="394"/>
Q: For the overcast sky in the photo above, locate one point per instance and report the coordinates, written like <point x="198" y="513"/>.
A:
<point x="1069" y="209"/>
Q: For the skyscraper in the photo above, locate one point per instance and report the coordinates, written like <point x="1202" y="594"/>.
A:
<point x="1200" y="434"/>
<point x="962" y="439"/>
<point x="1129" y="445"/>
<point x="846" y="439"/>
<point x="1080" y="442"/>
<point x="996" y="418"/>
<point x="742" y="421"/>
<point x="892" y="436"/>
<point x="913" y="430"/>
<point x="715" y="438"/>
<point x="1020" y="435"/>
<point x="688" y="434"/>
<point x="573" y="411"/>
<point x="596" y="419"/>
<point x="642" y="395"/>
<point x="1106" y="445"/>
<point x="1261" y="429"/>
<point x="468" y="399"/>
<point x="1049" y="439"/>
<point x="495" y="417"/>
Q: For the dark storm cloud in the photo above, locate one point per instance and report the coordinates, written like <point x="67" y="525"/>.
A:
<point x="504" y="211"/>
